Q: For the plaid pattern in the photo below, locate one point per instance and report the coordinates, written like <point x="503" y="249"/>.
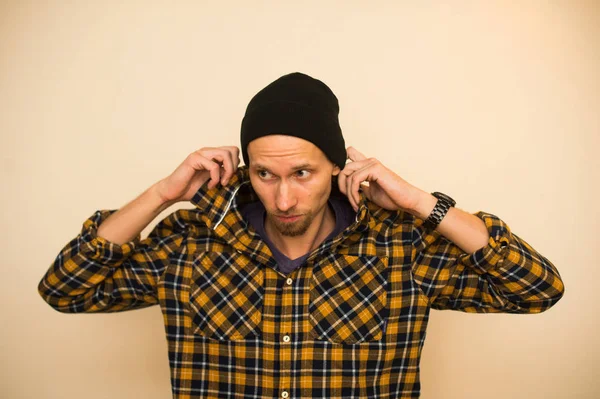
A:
<point x="350" y="323"/>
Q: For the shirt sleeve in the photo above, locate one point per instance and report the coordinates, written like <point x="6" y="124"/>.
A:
<point x="507" y="275"/>
<point x="92" y="274"/>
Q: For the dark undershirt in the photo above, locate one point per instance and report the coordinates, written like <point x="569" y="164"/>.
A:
<point x="255" y="214"/>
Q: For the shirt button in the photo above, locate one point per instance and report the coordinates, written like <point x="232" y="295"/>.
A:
<point x="289" y="281"/>
<point x="286" y="338"/>
<point x="285" y="394"/>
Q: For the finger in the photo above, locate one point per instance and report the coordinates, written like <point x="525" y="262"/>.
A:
<point x="354" y="154"/>
<point x="227" y="160"/>
<point x="219" y="162"/>
<point x="236" y="155"/>
<point x="357" y="178"/>
<point x="235" y="152"/>
<point x="215" y="174"/>
<point x="347" y="171"/>
<point x="224" y="157"/>
<point x="348" y="190"/>
<point x="349" y="193"/>
<point x="224" y="167"/>
<point x="360" y="176"/>
<point x="211" y="167"/>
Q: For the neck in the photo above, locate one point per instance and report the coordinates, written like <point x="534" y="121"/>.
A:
<point x="295" y="247"/>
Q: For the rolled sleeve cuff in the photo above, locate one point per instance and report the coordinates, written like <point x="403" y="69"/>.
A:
<point x="98" y="248"/>
<point x="492" y="255"/>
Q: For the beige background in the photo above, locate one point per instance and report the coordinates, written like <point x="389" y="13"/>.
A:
<point x="496" y="103"/>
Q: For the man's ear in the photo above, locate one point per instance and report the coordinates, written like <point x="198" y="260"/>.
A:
<point x="336" y="170"/>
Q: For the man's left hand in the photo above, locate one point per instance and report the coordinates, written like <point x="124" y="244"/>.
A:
<point x="385" y="188"/>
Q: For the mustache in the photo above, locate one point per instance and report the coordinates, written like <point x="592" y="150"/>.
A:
<point x="287" y="214"/>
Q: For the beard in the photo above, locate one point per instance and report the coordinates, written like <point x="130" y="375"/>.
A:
<point x="293" y="229"/>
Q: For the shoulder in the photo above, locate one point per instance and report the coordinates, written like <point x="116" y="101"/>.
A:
<point x="185" y="221"/>
<point x="394" y="220"/>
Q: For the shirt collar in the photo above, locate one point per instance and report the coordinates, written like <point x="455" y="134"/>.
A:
<point x="220" y="208"/>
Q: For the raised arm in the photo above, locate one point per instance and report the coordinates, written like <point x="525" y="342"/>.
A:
<point x="107" y="267"/>
<point x="472" y="263"/>
<point x="505" y="275"/>
<point x="117" y="270"/>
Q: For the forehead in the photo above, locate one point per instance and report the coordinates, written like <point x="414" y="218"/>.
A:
<point x="282" y="150"/>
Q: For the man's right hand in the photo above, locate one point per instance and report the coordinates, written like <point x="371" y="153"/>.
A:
<point x="214" y="164"/>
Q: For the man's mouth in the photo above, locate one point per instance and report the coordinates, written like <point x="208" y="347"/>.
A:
<point x="289" y="219"/>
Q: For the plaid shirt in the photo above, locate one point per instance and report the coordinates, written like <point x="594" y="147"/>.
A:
<point x="348" y="323"/>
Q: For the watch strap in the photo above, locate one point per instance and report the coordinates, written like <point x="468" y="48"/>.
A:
<point x="443" y="204"/>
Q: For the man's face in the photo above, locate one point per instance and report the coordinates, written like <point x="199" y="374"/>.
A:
<point x="292" y="178"/>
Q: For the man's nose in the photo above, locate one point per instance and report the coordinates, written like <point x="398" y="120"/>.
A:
<point x="285" y="199"/>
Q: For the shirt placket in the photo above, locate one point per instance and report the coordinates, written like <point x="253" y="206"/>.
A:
<point x="286" y="336"/>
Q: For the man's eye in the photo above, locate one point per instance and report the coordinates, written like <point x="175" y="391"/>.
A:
<point x="263" y="174"/>
<point x="303" y="173"/>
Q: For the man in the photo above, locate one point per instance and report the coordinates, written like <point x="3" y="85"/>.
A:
<point x="292" y="278"/>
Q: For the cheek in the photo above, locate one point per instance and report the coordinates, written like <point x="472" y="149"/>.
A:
<point x="317" y="193"/>
<point x="264" y="196"/>
<point x="261" y="191"/>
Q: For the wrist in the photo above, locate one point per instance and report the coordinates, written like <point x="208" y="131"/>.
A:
<point x="156" y="198"/>
<point x="424" y="204"/>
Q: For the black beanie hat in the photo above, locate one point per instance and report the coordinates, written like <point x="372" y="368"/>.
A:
<point x="296" y="105"/>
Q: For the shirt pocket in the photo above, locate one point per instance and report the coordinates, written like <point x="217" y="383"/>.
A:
<point x="226" y="297"/>
<point x="348" y="299"/>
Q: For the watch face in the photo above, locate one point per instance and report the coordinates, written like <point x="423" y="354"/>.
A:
<point x="444" y="197"/>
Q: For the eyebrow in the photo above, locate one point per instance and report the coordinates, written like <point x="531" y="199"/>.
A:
<point x="298" y="167"/>
<point x="302" y="166"/>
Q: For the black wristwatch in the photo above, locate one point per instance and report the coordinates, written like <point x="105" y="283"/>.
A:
<point x="440" y="209"/>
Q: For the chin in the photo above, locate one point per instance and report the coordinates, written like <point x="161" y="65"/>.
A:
<point x="294" y="229"/>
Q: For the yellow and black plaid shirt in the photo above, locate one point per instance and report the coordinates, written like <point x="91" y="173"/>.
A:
<point x="348" y="323"/>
